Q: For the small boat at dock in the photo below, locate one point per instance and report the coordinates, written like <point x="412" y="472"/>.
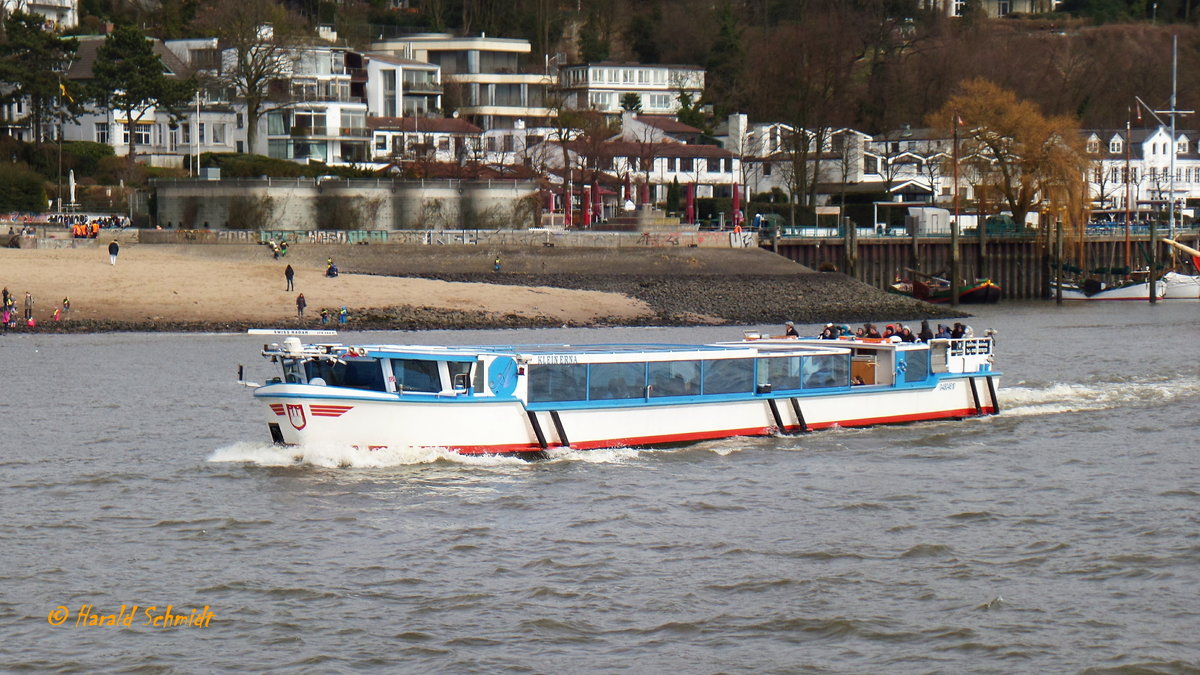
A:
<point x="522" y="399"/>
<point x="936" y="289"/>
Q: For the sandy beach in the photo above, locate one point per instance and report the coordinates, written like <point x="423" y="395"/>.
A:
<point x="157" y="284"/>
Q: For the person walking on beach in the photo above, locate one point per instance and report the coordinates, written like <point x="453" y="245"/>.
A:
<point x="113" y="249"/>
<point x="324" y="317"/>
<point x="301" y="303"/>
<point x="28" y="306"/>
<point x="289" y="274"/>
<point x="343" y="316"/>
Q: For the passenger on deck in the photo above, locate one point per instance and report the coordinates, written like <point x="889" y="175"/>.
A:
<point x="789" y="329"/>
<point x="926" y="334"/>
<point x="906" y="334"/>
<point x="870" y="331"/>
<point x="829" y="332"/>
<point x="889" y="330"/>
<point x="943" y="332"/>
<point x="958" y="331"/>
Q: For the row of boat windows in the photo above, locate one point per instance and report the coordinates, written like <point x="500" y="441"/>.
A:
<point x="613" y="381"/>
<point x="409" y="374"/>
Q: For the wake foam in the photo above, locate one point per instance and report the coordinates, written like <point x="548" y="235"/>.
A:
<point x="343" y="457"/>
<point x="1066" y="397"/>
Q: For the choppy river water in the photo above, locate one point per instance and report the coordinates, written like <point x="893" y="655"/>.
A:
<point x="1062" y="535"/>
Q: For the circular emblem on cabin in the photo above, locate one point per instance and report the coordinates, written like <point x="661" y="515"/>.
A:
<point x="502" y="376"/>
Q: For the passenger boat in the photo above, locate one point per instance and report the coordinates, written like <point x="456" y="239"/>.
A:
<point x="528" y="398"/>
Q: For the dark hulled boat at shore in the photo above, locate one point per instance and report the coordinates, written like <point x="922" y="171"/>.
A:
<point x="935" y="289"/>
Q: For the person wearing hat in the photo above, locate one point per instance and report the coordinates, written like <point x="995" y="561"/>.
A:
<point x="789" y="329"/>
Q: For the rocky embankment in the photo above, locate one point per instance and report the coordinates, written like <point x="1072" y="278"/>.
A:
<point x="682" y="286"/>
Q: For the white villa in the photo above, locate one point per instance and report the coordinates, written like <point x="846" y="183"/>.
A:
<point x="602" y="86"/>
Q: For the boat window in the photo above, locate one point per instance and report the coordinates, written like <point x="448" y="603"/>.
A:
<point x="357" y="374"/>
<point x="826" y="370"/>
<point x="416" y="375"/>
<point x="674" y="378"/>
<point x="781" y="373"/>
<point x="292" y="373"/>
<point x="608" y="381"/>
<point x="916" y="366"/>
<point x="730" y="376"/>
<point x="478" y="377"/>
<point x="460" y="374"/>
<point x="551" y="382"/>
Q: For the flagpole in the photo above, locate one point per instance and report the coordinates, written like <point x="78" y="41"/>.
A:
<point x="954" y="225"/>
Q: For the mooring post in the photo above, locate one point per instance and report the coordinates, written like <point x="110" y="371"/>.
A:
<point x="1152" y="278"/>
<point x="850" y="238"/>
<point x="954" y="263"/>
<point x="1058" y="262"/>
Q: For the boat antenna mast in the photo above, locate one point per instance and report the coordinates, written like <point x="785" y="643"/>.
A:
<point x="1173" y="112"/>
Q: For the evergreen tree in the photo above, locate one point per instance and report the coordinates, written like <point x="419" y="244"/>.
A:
<point x="674" y="193"/>
<point x="131" y="78"/>
<point x="33" y="61"/>
<point x="725" y="59"/>
<point x="592" y="47"/>
<point x="631" y="102"/>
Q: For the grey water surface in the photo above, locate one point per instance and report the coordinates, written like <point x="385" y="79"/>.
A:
<point x="1060" y="536"/>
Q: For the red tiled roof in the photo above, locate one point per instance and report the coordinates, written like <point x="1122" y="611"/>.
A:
<point x="443" y="125"/>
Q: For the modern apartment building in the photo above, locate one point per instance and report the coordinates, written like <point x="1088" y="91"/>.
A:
<point x="323" y="113"/>
<point x="487" y="80"/>
<point x="604" y="86"/>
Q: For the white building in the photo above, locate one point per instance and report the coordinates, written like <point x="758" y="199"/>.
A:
<point x="400" y="87"/>
<point x="423" y="139"/>
<point x="59" y="14"/>
<point x="323" y="117"/>
<point x="1146" y="175"/>
<point x="484" y="78"/>
<point x="993" y="8"/>
<point x="602" y="86"/>
<point x="158" y="140"/>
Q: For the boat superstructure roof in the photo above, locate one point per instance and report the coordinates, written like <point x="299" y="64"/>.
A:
<point x="590" y="353"/>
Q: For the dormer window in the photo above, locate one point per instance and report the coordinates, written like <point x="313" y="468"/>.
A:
<point x="1093" y="145"/>
<point x="1114" y="145"/>
<point x="1182" y="147"/>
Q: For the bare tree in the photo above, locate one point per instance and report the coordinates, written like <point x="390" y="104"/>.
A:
<point x="258" y="36"/>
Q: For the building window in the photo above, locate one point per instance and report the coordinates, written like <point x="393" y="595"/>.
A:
<point x="1114" y="145"/>
<point x="714" y="164"/>
<point x="102" y="132"/>
<point x="1182" y="149"/>
<point x="960" y="6"/>
<point x="142" y="134"/>
<point x="241" y="121"/>
<point x="200" y="133"/>
<point x="218" y="134"/>
<point x="381" y="142"/>
<point x="686" y="163"/>
<point x="766" y="168"/>
<point x="1093" y="145"/>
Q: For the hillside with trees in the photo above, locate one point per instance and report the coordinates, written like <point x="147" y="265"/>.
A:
<point x="868" y="64"/>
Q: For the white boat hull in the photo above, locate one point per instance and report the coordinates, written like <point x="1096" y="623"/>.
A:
<point x="1181" y="287"/>
<point x="1128" y="293"/>
<point x="504" y="426"/>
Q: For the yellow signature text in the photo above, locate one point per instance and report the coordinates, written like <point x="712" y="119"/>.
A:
<point x="128" y="616"/>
